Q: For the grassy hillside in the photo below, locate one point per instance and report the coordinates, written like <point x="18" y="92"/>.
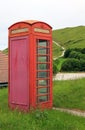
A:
<point x="70" y="37"/>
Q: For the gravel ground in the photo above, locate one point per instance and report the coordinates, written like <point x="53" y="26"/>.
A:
<point x="73" y="112"/>
<point x="68" y="76"/>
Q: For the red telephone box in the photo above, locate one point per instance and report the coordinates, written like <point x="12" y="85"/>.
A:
<point x="30" y="65"/>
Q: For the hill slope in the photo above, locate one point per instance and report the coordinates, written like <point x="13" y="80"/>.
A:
<point x="70" y="37"/>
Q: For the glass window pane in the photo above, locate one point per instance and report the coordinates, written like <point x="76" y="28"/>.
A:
<point x="43" y="66"/>
<point x="42" y="51"/>
<point x="43" y="58"/>
<point x="42" y="74"/>
<point x="42" y="90"/>
<point x="43" y="43"/>
<point x="42" y="82"/>
<point x="42" y="98"/>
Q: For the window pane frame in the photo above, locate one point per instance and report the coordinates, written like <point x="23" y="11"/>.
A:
<point x="43" y="51"/>
<point x="46" y="83"/>
<point x="43" y="74"/>
<point x="43" y="66"/>
<point x="43" y="58"/>
<point x="46" y="98"/>
<point x="40" y="43"/>
<point x="41" y="89"/>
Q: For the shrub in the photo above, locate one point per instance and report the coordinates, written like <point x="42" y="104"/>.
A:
<point x="77" y="53"/>
<point x="73" y="54"/>
<point x="67" y="52"/>
<point x="83" y="51"/>
<point x="71" y="65"/>
<point x="77" y="50"/>
<point x="82" y="65"/>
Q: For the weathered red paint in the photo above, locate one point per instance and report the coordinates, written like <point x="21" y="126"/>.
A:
<point x="23" y="55"/>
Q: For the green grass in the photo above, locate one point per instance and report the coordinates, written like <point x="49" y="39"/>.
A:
<point x="59" y="62"/>
<point x="70" y="94"/>
<point x="36" y="120"/>
<point x="70" y="37"/>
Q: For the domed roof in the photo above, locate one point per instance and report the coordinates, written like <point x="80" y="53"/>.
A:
<point x="30" y="22"/>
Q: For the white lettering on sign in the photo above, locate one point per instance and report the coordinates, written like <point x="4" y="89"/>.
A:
<point x="19" y="30"/>
<point x="41" y="30"/>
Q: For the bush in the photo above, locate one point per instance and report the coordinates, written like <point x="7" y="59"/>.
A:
<point x="71" y="65"/>
<point x="67" y="52"/>
<point x="83" y="51"/>
<point x="77" y="55"/>
<point x="82" y="65"/>
<point x="73" y="54"/>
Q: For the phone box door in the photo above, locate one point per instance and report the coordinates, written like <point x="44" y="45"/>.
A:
<point x="19" y="68"/>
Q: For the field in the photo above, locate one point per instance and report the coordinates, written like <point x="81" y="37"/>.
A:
<point x="70" y="94"/>
<point x="66" y="94"/>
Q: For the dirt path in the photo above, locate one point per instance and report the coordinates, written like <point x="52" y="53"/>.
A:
<point x="68" y="76"/>
<point x="73" y="112"/>
<point x="61" y="48"/>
